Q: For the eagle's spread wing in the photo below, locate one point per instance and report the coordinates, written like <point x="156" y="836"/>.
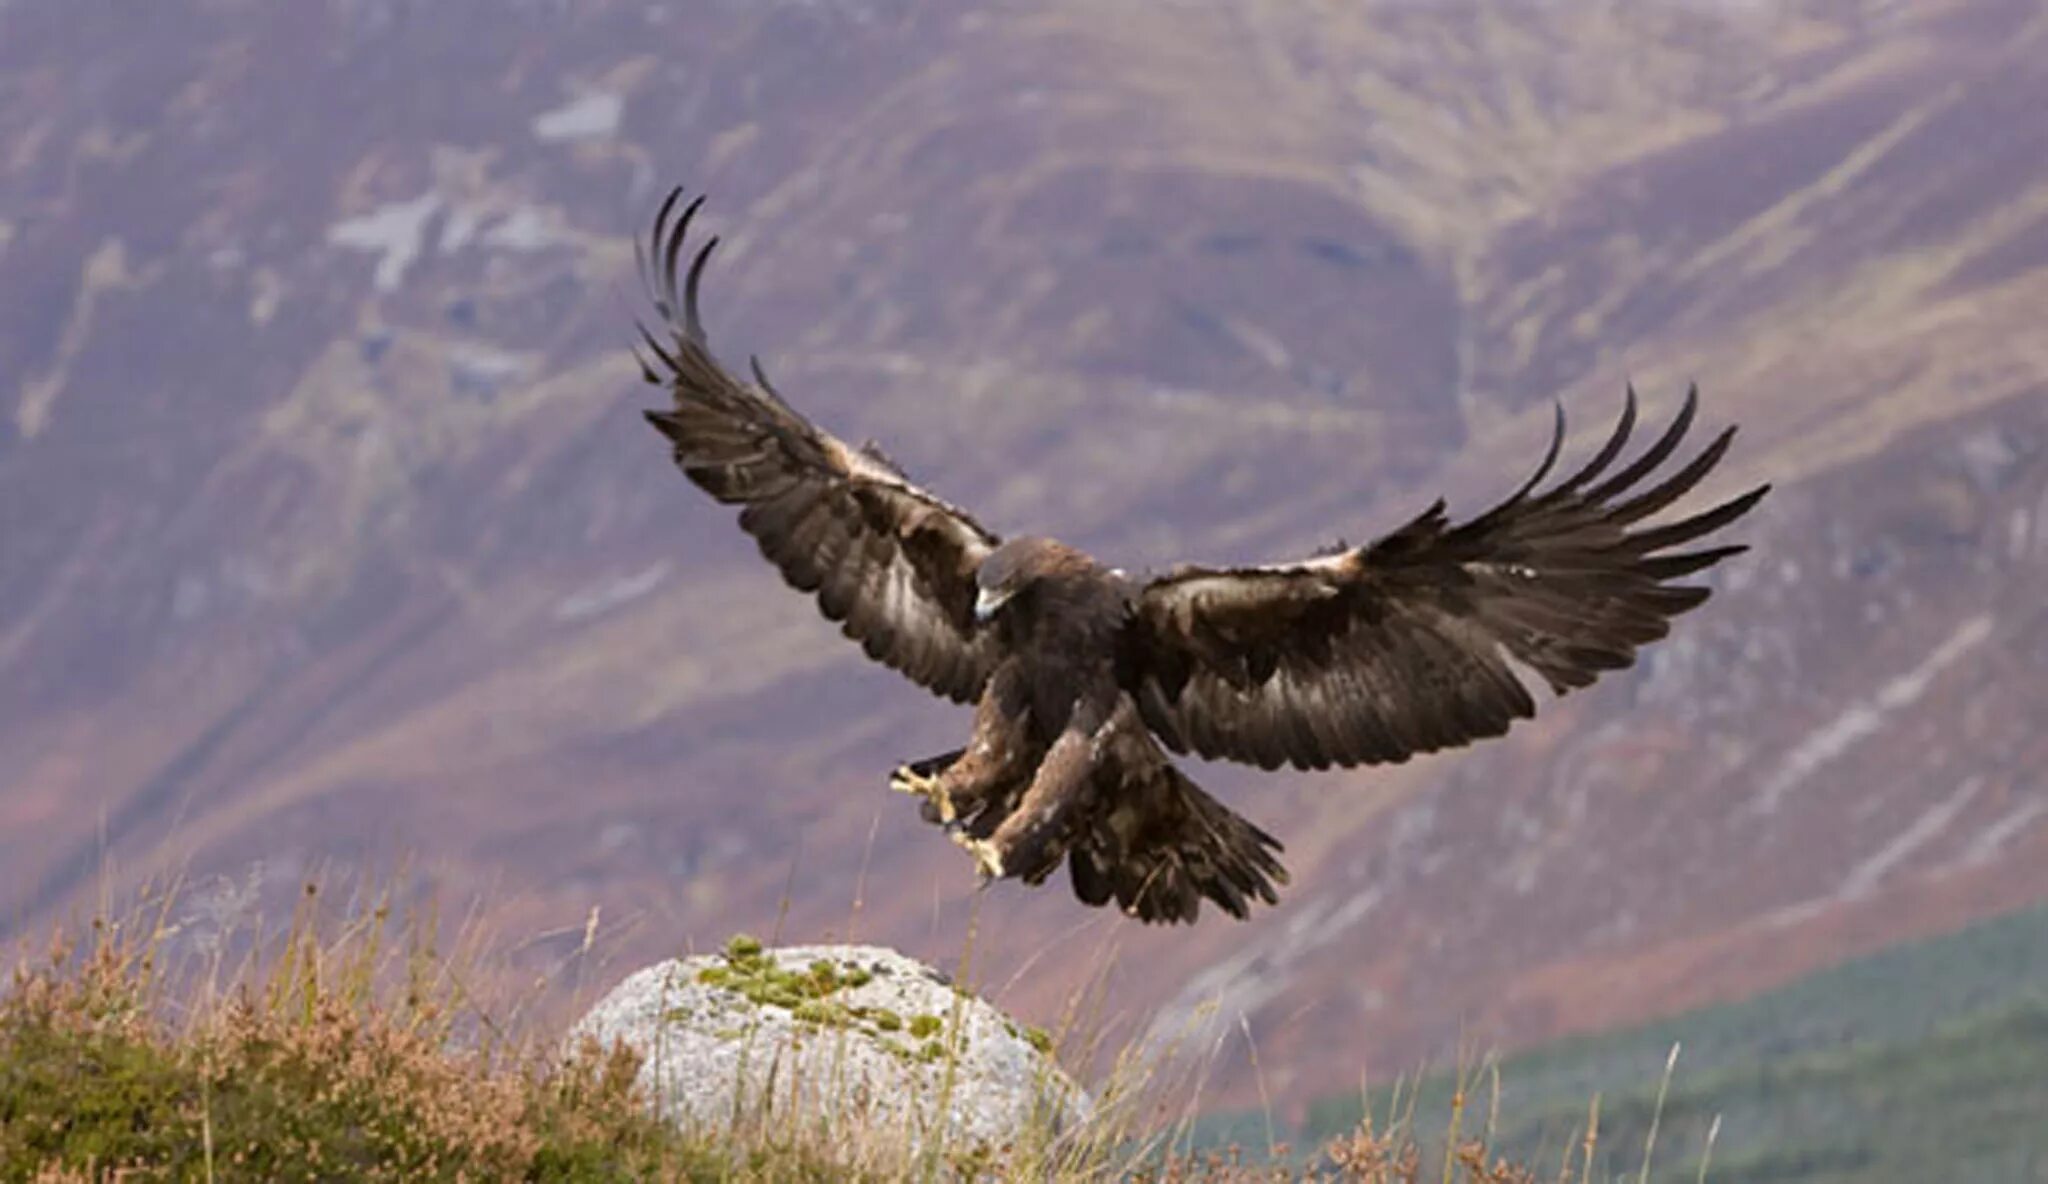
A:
<point x="890" y="562"/>
<point x="1402" y="646"/>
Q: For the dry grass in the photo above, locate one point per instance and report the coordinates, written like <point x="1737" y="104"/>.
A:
<point x="354" y="1049"/>
<point x="330" y="1054"/>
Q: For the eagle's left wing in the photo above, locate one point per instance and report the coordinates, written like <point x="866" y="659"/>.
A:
<point x="892" y="563"/>
<point x="1376" y="653"/>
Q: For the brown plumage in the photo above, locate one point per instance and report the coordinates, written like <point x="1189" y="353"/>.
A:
<point x="1356" y="655"/>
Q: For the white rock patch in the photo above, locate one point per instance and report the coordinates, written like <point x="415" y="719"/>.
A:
<point x="588" y="117"/>
<point x="394" y="232"/>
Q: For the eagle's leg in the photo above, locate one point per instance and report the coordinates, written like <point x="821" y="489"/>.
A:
<point x="965" y="786"/>
<point x="954" y="789"/>
<point x="1032" y="839"/>
<point x="959" y="786"/>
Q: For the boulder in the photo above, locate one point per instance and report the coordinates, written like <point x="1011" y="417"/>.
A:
<point x="851" y="1040"/>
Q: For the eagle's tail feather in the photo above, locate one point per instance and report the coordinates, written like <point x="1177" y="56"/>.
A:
<point x="1176" y="846"/>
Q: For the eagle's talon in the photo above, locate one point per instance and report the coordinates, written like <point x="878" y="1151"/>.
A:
<point x="988" y="862"/>
<point x="908" y="780"/>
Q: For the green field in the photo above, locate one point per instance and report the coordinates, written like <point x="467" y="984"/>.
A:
<point x="1926" y="1062"/>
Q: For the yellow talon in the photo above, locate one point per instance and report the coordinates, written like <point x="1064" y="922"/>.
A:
<point x="988" y="862"/>
<point x="908" y="780"/>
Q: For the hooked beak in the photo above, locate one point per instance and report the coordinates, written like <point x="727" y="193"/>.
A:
<point x="987" y="602"/>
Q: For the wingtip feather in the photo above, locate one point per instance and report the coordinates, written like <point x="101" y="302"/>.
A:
<point x="1616" y="441"/>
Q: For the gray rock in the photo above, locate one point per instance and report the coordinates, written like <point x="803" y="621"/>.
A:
<point x="856" y="1040"/>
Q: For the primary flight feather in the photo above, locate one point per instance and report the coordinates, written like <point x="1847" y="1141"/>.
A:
<point x="1083" y="678"/>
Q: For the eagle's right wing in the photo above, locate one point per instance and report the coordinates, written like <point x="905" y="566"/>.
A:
<point x="892" y="563"/>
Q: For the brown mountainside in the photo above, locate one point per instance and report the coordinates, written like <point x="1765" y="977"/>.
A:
<point x="329" y="530"/>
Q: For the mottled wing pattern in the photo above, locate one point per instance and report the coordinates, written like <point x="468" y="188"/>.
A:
<point x="890" y="562"/>
<point x="1404" y="645"/>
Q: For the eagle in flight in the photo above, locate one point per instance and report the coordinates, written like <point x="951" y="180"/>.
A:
<point x="1084" y="679"/>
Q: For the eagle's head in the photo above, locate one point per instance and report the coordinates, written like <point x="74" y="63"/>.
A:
<point x="1018" y="566"/>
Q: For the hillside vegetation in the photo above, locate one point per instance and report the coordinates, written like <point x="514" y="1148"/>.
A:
<point x="355" y="1051"/>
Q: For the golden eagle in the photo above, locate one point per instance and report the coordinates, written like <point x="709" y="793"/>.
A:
<point x="1083" y="677"/>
